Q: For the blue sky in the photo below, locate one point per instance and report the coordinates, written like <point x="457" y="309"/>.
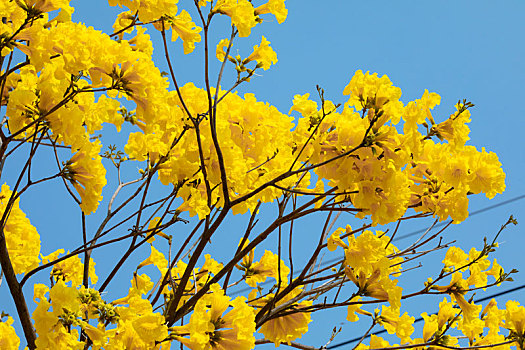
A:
<point x="467" y="49"/>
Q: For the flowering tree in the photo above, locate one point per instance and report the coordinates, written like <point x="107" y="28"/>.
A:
<point x="216" y="154"/>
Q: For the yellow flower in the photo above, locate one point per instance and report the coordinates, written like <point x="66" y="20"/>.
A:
<point x="493" y="338"/>
<point x="493" y="317"/>
<point x="96" y="334"/>
<point x="64" y="297"/>
<point x="515" y="318"/>
<point x="140" y="332"/>
<point x="286" y="328"/>
<point x="335" y="241"/>
<point x="241" y="13"/>
<point x="156" y="258"/>
<point x="434" y="323"/>
<point x="8" y="338"/>
<point x="378" y="342"/>
<point x="138" y="327"/>
<point x="470" y="311"/>
<point x="455" y="257"/>
<point x="182" y="26"/>
<point x="263" y="54"/>
<point x="42" y="5"/>
<point x="365" y="250"/>
<point x="148" y="11"/>
<point x="150" y="327"/>
<point x="87" y="174"/>
<point x="371" y="92"/>
<point x="454" y="129"/>
<point x="486" y="174"/>
<point x="430" y="327"/>
<point x="71" y="269"/>
<point x="142" y="146"/>
<point x="495" y="271"/>
<point x="142" y="42"/>
<point x="456" y="289"/>
<point x="395" y="324"/>
<point x="446" y="313"/>
<point x="354" y="309"/>
<point x="377" y="285"/>
<point x="22" y="239"/>
<point x="416" y="112"/>
<point x="123" y="20"/>
<point x="269" y="266"/>
<point x="211" y="327"/>
<point x="303" y="105"/>
<point x="153" y="226"/>
<point x="198" y="278"/>
<point x="221" y="49"/>
<point x="54" y="317"/>
<point x="471" y="328"/>
<point x="275" y="7"/>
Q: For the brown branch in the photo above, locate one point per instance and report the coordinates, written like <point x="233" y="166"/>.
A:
<point x="291" y="344"/>
<point x="173" y="314"/>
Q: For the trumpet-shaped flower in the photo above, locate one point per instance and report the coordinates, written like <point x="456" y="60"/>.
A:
<point x="286" y="328"/>
<point x="221" y="49"/>
<point x="211" y="326"/>
<point x="183" y="27"/>
<point x="87" y="174"/>
<point x="275" y="7"/>
<point x="241" y="13"/>
<point x="396" y="324"/>
<point x="515" y="318"/>
<point x="263" y="54"/>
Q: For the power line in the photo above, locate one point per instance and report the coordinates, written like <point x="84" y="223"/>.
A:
<point x="476" y="212"/>
<point x="482" y="210"/>
<point x="476" y="301"/>
<point x="419" y="319"/>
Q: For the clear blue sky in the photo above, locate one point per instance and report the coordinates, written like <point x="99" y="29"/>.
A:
<point x="467" y="49"/>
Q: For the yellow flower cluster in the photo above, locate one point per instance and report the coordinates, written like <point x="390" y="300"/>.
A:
<point x="385" y="171"/>
<point x="200" y="276"/>
<point x="211" y="327"/>
<point x="515" y="320"/>
<point x="59" y="318"/>
<point x="73" y="82"/>
<point x="88" y="175"/>
<point x="269" y="266"/>
<point x="148" y="11"/>
<point x="365" y="258"/>
<point x="22" y="239"/>
<point x="8" y="338"/>
<point x="476" y="263"/>
<point x="483" y="330"/>
<point x="244" y="16"/>
<point x="284" y="329"/>
<point x="255" y="141"/>
<point x="70" y="270"/>
<point x="43" y="92"/>
<point x="368" y="264"/>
